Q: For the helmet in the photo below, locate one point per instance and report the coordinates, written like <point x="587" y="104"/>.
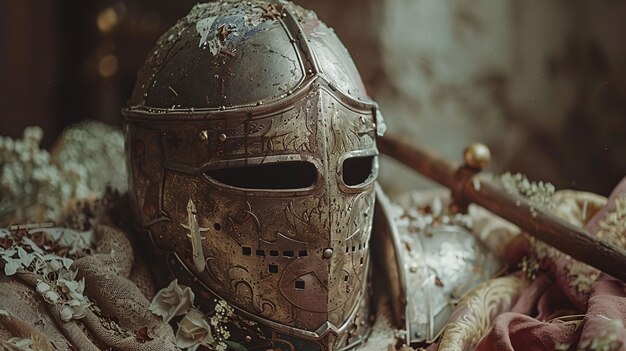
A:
<point x="251" y="147"/>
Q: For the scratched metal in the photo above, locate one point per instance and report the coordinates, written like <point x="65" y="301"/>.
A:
<point x="240" y="84"/>
<point x="431" y="268"/>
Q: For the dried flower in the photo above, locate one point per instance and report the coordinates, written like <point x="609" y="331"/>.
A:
<point x="42" y="287"/>
<point x="51" y="297"/>
<point x="36" y="185"/>
<point x="66" y="313"/>
<point x="193" y="331"/>
<point x="172" y="301"/>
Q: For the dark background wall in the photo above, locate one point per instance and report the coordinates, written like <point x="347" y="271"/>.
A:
<point x="543" y="82"/>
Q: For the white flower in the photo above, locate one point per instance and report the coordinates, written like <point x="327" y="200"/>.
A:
<point x="42" y="287"/>
<point x="67" y="285"/>
<point x="51" y="297"/>
<point x="172" y="301"/>
<point x="193" y="331"/>
<point x="66" y="313"/>
<point x="54" y="266"/>
<point x="77" y="303"/>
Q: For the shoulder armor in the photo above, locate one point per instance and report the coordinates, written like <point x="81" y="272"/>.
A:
<point x="432" y="260"/>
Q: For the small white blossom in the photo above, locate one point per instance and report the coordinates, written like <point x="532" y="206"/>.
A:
<point x="66" y="313"/>
<point x="51" y="297"/>
<point x="42" y="287"/>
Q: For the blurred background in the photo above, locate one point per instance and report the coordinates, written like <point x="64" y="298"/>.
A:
<point x="542" y="82"/>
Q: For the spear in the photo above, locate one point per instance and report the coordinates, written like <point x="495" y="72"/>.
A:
<point x="467" y="185"/>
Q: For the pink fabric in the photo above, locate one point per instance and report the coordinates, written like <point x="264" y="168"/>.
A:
<point x="527" y="302"/>
<point x="514" y="331"/>
<point x="551" y="295"/>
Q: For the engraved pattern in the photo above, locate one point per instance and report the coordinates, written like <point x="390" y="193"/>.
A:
<point x="233" y="223"/>
<point x="296" y="130"/>
<point x="350" y="131"/>
<point x="240" y="279"/>
<point x="300" y="214"/>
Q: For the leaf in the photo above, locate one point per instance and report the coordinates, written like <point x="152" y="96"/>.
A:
<point x="234" y="346"/>
<point x="11" y="267"/>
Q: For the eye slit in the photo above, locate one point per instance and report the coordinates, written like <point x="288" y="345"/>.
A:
<point x="357" y="170"/>
<point x="271" y="176"/>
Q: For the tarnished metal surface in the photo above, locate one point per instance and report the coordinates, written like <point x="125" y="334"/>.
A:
<point x="433" y="261"/>
<point x="251" y="146"/>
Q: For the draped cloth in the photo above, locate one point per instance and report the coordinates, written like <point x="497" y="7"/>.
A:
<point x="565" y="305"/>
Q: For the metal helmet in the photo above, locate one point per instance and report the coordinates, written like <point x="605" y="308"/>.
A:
<point x="251" y="146"/>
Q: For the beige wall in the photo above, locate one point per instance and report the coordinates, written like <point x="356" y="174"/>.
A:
<point x="542" y="82"/>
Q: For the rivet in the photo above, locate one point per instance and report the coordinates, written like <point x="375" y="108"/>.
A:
<point x="248" y="338"/>
<point x="328" y="253"/>
<point x="204" y="135"/>
<point x="223" y="137"/>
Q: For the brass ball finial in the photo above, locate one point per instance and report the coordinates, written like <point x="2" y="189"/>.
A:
<point x="477" y="156"/>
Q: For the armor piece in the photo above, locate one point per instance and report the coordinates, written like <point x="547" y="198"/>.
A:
<point x="432" y="261"/>
<point x="251" y="146"/>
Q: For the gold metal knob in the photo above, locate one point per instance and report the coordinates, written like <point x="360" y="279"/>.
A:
<point x="477" y="156"/>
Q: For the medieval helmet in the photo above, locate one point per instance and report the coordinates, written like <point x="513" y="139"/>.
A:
<point x="251" y="147"/>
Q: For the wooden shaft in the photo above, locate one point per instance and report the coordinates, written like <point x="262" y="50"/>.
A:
<point x="482" y="191"/>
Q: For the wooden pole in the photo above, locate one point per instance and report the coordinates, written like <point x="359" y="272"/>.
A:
<point x="471" y="186"/>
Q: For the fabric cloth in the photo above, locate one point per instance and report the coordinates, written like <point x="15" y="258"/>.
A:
<point x="33" y="301"/>
<point x="571" y="306"/>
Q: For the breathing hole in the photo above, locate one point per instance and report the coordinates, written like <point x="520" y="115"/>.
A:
<point x="357" y="170"/>
<point x="217" y="226"/>
<point x="273" y="253"/>
<point x="272" y="176"/>
<point x="299" y="284"/>
<point x="246" y="251"/>
<point x="273" y="268"/>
